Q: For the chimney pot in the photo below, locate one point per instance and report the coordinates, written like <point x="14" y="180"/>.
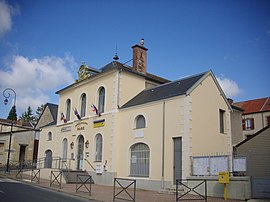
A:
<point x="139" y="57"/>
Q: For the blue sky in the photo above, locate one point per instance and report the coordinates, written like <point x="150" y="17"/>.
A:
<point x="43" y="43"/>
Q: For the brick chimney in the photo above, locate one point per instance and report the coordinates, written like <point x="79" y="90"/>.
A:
<point x="139" y="57"/>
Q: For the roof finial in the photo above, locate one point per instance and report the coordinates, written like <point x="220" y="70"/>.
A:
<point x="142" y="42"/>
<point x="116" y="56"/>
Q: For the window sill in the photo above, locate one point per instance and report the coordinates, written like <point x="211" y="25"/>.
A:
<point x="136" y="176"/>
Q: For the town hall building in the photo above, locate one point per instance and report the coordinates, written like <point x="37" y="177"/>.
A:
<point x="121" y="121"/>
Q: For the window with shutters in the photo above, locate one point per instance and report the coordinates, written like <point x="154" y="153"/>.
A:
<point x="268" y="120"/>
<point x="98" y="148"/>
<point x="248" y="124"/>
<point x="139" y="160"/>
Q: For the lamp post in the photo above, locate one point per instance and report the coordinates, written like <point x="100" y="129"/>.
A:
<point x="6" y="94"/>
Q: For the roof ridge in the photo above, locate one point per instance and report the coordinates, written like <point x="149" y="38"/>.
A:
<point x="264" y="104"/>
<point x="175" y="81"/>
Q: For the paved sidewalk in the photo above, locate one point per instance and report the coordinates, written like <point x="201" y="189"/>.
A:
<point x="105" y="193"/>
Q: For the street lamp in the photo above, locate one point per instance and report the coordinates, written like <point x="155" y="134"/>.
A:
<point x="6" y="94"/>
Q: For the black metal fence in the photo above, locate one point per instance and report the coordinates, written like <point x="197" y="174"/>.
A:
<point x="125" y="189"/>
<point x="56" y="178"/>
<point x="84" y="180"/>
<point x="35" y="175"/>
<point x="196" y="187"/>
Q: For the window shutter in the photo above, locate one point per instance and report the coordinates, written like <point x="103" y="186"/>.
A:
<point x="252" y="123"/>
<point x="243" y="124"/>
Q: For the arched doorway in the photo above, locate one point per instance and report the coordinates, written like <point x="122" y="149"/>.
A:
<point x="80" y="148"/>
<point x="48" y="159"/>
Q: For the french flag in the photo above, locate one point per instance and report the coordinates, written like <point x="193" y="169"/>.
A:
<point x="94" y="109"/>
<point x="77" y="114"/>
<point x="63" y="118"/>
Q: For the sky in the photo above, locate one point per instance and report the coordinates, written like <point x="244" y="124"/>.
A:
<point x="43" y="43"/>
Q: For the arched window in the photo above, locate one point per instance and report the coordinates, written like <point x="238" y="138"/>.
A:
<point x="48" y="159"/>
<point x="49" y="138"/>
<point x="101" y="99"/>
<point x="68" y="107"/>
<point x="64" y="149"/>
<point x="140" y="121"/>
<point x="83" y="105"/>
<point x="139" y="160"/>
<point x="98" y="147"/>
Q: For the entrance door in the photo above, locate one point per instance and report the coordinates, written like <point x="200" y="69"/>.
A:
<point x="177" y="166"/>
<point x="80" y="153"/>
<point x="22" y="155"/>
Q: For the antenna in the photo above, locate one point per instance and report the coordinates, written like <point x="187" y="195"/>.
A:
<point x="116" y="56"/>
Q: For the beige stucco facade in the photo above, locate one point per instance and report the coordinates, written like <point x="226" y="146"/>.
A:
<point x="193" y="118"/>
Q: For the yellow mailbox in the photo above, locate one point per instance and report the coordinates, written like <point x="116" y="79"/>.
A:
<point x="223" y="177"/>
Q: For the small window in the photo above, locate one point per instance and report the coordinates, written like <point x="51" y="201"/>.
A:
<point x="68" y="108"/>
<point x="83" y="105"/>
<point x="49" y="136"/>
<point x="101" y="99"/>
<point x="98" y="147"/>
<point x="140" y="122"/>
<point x="139" y="160"/>
<point x="248" y="124"/>
<point x="222" y="120"/>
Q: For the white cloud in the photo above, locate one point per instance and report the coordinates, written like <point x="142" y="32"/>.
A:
<point x="36" y="80"/>
<point x="6" y="13"/>
<point x="230" y="87"/>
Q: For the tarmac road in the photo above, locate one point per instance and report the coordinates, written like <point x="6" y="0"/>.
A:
<point x="15" y="191"/>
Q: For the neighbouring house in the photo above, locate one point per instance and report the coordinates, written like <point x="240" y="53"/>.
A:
<point x="236" y="123"/>
<point x="256" y="115"/>
<point x="255" y="149"/>
<point x="121" y="121"/>
<point x="22" y="139"/>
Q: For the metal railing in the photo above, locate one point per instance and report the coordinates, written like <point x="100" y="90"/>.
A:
<point x="84" y="179"/>
<point x="188" y="187"/>
<point x="56" y="176"/>
<point x="35" y="175"/>
<point x="124" y="185"/>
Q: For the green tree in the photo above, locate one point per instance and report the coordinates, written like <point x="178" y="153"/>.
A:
<point x="28" y="116"/>
<point x="12" y="114"/>
<point x="38" y="113"/>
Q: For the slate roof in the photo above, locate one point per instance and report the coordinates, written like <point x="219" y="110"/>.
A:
<point x="120" y="66"/>
<point x="16" y="123"/>
<point x="54" y="111"/>
<point x="168" y="90"/>
<point x="53" y="108"/>
<point x="124" y="67"/>
<point x="254" y="106"/>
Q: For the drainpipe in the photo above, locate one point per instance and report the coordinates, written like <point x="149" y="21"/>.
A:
<point x="163" y="145"/>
